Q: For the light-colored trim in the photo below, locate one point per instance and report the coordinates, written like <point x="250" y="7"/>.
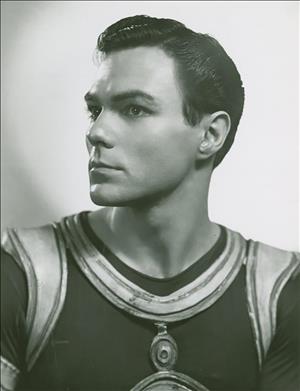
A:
<point x="182" y="304"/>
<point x="9" y="375"/>
<point x="21" y="256"/>
<point x="277" y="288"/>
<point x="252" y="298"/>
<point x="55" y="294"/>
<point x="268" y="270"/>
<point x="8" y="246"/>
<point x="42" y="252"/>
<point x="169" y="380"/>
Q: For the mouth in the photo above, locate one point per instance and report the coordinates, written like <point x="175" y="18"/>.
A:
<point x="95" y="166"/>
<point x="100" y="172"/>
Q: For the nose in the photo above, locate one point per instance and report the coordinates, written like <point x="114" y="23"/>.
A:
<point x="100" y="132"/>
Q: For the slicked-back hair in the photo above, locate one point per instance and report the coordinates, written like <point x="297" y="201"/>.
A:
<point x="209" y="79"/>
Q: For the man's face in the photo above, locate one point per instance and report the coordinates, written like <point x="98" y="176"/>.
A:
<point x="139" y="142"/>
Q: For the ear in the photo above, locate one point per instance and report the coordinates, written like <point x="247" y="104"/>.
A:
<point x="214" y="129"/>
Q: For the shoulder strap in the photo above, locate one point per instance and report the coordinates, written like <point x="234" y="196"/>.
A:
<point x="268" y="270"/>
<point x="41" y="253"/>
<point x="9" y="375"/>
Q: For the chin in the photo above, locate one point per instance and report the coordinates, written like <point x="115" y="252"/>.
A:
<point x="102" y="195"/>
<point x="102" y="200"/>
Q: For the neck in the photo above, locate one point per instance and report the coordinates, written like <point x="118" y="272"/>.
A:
<point x="165" y="237"/>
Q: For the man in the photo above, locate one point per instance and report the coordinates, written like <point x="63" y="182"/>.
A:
<point x="148" y="293"/>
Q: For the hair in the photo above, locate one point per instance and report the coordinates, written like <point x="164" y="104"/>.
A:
<point x="209" y="78"/>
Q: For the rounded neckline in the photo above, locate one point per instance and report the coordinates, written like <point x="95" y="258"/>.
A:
<point x="182" y="302"/>
<point x="188" y="274"/>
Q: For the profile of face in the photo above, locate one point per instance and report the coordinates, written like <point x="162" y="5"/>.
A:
<point x="140" y="144"/>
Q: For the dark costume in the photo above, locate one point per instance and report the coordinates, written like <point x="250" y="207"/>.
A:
<point x="78" y="318"/>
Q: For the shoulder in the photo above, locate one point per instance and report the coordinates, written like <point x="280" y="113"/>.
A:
<point x="270" y="272"/>
<point x="282" y="267"/>
<point x="271" y="267"/>
<point x="24" y="242"/>
<point x="284" y="351"/>
<point x="267" y="262"/>
<point x="41" y="253"/>
<point x="13" y="314"/>
<point x="13" y="284"/>
<point x="268" y="253"/>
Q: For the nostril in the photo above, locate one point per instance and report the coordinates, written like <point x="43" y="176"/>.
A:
<point x="93" y="141"/>
<point x="100" y="133"/>
<point x="105" y="144"/>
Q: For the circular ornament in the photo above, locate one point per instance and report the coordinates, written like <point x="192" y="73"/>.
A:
<point x="169" y="381"/>
<point x="163" y="349"/>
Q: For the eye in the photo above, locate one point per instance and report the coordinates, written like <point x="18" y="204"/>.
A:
<point x="94" y="112"/>
<point x="135" y="111"/>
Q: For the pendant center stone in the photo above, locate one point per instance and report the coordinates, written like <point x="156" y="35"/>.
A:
<point x="163" y="351"/>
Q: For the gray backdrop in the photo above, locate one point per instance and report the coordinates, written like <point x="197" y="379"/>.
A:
<point x="47" y="66"/>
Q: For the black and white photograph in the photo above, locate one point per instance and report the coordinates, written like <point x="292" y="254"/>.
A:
<point x="150" y="196"/>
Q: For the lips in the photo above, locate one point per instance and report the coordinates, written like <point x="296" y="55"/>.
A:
<point x="100" y="173"/>
<point x="94" y="165"/>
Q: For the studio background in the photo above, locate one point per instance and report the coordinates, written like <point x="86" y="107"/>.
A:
<point x="47" y="49"/>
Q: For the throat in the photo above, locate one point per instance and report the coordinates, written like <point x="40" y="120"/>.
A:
<point x="156" y="248"/>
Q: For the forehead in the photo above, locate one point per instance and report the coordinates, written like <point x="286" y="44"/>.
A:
<point x="148" y="69"/>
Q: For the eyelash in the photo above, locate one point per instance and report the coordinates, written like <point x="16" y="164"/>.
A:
<point x="95" y="111"/>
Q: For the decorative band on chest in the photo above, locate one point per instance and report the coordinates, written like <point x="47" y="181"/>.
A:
<point x="181" y="304"/>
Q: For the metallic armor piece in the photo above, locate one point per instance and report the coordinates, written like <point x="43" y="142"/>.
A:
<point x="267" y="271"/>
<point x="42" y="255"/>
<point x="169" y="381"/>
<point x="164" y="353"/>
<point x="163" y="349"/>
<point x="9" y="375"/>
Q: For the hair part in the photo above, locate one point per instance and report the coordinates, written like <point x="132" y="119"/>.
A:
<point x="209" y="78"/>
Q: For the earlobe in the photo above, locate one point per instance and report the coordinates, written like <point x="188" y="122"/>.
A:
<point x="204" y="145"/>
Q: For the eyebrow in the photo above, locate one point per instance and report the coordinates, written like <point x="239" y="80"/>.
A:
<point x="89" y="96"/>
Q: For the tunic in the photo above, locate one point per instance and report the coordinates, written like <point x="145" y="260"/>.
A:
<point x="98" y="346"/>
